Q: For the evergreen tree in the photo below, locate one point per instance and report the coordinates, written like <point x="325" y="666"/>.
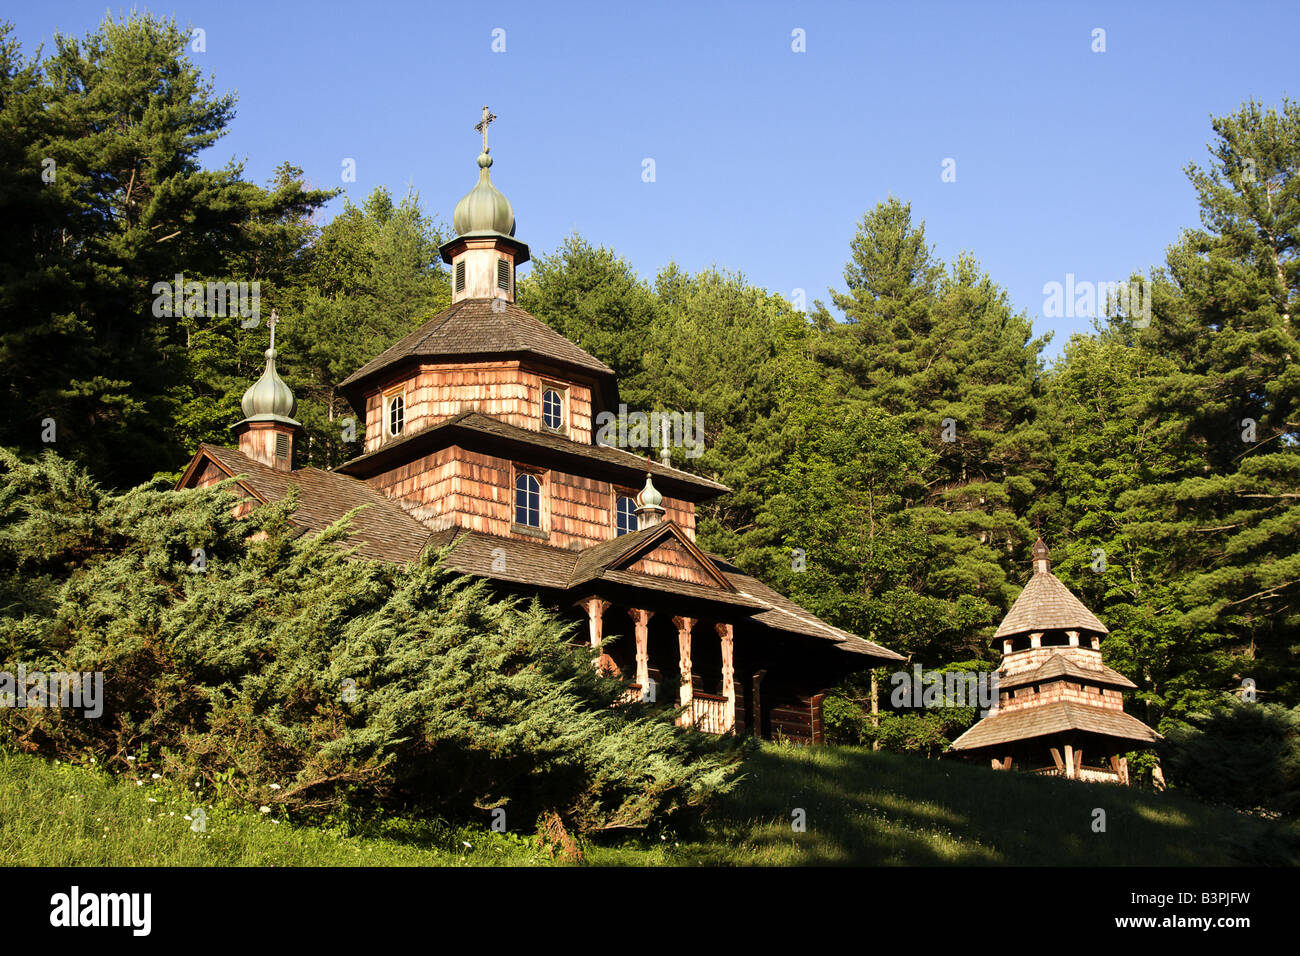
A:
<point x="123" y="116"/>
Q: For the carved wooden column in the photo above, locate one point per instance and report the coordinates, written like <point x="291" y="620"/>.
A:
<point x="687" y="692"/>
<point x="726" y="636"/>
<point x="596" y="609"/>
<point x="641" y="618"/>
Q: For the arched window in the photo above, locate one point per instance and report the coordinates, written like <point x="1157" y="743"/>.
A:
<point x="528" y="501"/>
<point x="626" y="514"/>
<point x="552" y="408"/>
<point x="396" y="414"/>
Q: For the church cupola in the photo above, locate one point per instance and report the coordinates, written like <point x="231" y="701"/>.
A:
<point x="268" y="431"/>
<point x="484" y="255"/>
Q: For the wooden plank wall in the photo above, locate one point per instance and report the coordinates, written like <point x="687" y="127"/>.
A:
<point x="581" y="510"/>
<point x="423" y="487"/>
<point x="504" y="390"/>
<point x="476" y="491"/>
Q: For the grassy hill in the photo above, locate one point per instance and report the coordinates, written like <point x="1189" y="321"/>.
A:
<point x="857" y="807"/>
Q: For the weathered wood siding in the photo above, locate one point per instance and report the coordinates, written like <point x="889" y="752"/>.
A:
<point x="476" y="491"/>
<point x="424" y="487"/>
<point x="671" y="560"/>
<point x="1050" y="692"/>
<point x="504" y="390"/>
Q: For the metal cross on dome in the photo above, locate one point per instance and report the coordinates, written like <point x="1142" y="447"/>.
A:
<point x="483" y="124"/>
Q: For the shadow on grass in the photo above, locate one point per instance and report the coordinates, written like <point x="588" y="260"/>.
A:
<point x="864" y="808"/>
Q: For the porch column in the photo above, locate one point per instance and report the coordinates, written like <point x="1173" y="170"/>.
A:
<point x="726" y="636"/>
<point x="596" y="609"/>
<point x="641" y="618"/>
<point x="687" y="692"/>
<point x="1069" y="761"/>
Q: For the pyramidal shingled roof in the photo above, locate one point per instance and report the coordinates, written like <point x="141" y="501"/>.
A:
<point x="1046" y="604"/>
<point x="482" y="327"/>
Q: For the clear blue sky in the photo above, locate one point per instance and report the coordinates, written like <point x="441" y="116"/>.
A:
<point x="1067" y="161"/>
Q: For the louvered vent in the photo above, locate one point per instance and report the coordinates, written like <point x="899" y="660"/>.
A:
<point x="281" y="445"/>
<point x="503" y="275"/>
<point x="460" y="276"/>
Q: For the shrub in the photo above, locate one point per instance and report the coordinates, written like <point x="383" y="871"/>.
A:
<point x="290" y="673"/>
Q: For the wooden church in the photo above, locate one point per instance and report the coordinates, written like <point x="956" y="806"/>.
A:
<point x="479" y="436"/>
<point x="1060" y="710"/>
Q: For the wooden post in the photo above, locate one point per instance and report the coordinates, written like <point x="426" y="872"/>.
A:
<point x="727" y="636"/>
<point x="875" y="705"/>
<point x="816" y="728"/>
<point x="641" y="618"/>
<point x="1123" y="770"/>
<point x="758" y="703"/>
<point x="1069" y="761"/>
<point x="1056" y="757"/>
<point x="596" y="609"/>
<point x="687" y="692"/>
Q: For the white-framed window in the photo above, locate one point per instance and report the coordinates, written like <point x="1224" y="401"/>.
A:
<point x="528" y="500"/>
<point x="626" y="515"/>
<point x="553" y="408"/>
<point x="394" y="414"/>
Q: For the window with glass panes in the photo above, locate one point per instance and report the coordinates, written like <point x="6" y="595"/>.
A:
<point x="528" y="501"/>
<point x="626" y="514"/>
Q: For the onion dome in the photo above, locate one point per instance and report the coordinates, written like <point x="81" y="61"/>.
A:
<point x="269" y="398"/>
<point x="484" y="210"/>
<point x="649" y="505"/>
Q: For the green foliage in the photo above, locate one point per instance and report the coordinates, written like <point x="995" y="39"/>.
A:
<point x="1244" y="755"/>
<point x="123" y="114"/>
<point x="292" y="675"/>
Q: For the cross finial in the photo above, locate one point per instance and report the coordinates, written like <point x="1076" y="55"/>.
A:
<point x="482" y="127"/>
<point x="275" y="317"/>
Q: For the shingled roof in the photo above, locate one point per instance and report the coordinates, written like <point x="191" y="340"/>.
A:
<point x="1058" y="665"/>
<point x="1050" y="719"/>
<point x="466" y="427"/>
<point x="1047" y="605"/>
<point x="382" y="530"/>
<point x="481" y="327"/>
<point x="541" y="565"/>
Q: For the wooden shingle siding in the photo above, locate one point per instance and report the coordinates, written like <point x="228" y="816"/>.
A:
<point x="670" y="560"/>
<point x="475" y="491"/>
<point x="504" y="390"/>
<point x="580" y="511"/>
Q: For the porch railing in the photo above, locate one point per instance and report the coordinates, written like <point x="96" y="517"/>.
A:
<point x="709" y="713"/>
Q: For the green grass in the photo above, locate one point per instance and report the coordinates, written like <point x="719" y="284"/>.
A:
<point x="879" y="808"/>
<point x="859" y="808"/>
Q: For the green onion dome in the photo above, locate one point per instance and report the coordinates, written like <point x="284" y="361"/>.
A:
<point x="269" y="397"/>
<point x="484" y="209"/>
